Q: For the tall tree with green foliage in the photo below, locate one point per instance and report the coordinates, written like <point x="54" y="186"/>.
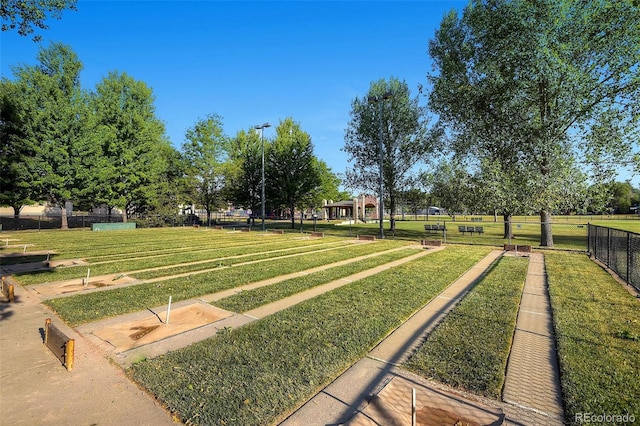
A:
<point x="415" y="200"/>
<point x="27" y="15"/>
<point x="54" y="122"/>
<point x="549" y="78"/>
<point x="328" y="189"/>
<point x="406" y="136"/>
<point x="17" y="153"/>
<point x="291" y="172"/>
<point x="131" y="139"/>
<point x="205" y="153"/>
<point x="243" y="180"/>
<point x="452" y="187"/>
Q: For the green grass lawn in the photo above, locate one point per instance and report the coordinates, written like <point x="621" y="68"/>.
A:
<point x="257" y="374"/>
<point x="470" y="348"/>
<point x="597" y="327"/>
<point x="89" y="307"/>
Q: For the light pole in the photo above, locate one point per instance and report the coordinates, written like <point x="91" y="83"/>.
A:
<point x="379" y="100"/>
<point x="261" y="128"/>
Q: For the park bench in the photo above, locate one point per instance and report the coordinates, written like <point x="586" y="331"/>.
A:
<point x="278" y="231"/>
<point x="366" y="237"/>
<point x="59" y="344"/>
<point x="317" y="234"/>
<point x="435" y="228"/>
<point x="471" y="229"/>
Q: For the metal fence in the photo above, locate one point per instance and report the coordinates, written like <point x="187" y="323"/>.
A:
<point x="619" y="250"/>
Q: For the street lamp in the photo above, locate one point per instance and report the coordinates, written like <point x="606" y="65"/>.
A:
<point x="379" y="100"/>
<point x="261" y="128"/>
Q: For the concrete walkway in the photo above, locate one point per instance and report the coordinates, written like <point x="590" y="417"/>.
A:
<point x="532" y="384"/>
<point x="36" y="389"/>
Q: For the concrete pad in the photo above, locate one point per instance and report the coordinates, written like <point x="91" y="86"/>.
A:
<point x="128" y="335"/>
<point x="68" y="262"/>
<point x="67" y="287"/>
<point x="393" y="406"/>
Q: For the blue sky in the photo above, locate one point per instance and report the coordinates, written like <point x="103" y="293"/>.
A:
<point x="249" y="62"/>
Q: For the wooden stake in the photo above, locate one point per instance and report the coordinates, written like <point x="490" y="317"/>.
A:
<point x="168" y="312"/>
<point x="69" y="354"/>
<point x="413" y="407"/>
<point x="46" y="330"/>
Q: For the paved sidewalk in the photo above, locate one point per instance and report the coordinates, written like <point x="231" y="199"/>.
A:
<point x="36" y="389"/>
<point x="532" y="383"/>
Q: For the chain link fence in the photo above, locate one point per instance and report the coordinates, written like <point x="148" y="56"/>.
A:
<point x="619" y="250"/>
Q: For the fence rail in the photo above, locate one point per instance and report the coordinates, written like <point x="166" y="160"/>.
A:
<point x="619" y="250"/>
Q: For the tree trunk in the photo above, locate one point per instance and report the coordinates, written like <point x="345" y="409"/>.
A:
<point x="392" y="215"/>
<point x="16" y="217"/>
<point x="293" y="217"/>
<point x="124" y="215"/>
<point x="546" y="235"/>
<point x="63" y="217"/>
<point x="508" y="227"/>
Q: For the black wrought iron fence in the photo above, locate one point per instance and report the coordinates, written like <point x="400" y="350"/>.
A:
<point x="619" y="250"/>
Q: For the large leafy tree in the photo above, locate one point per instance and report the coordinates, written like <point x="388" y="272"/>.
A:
<point x="536" y="82"/>
<point x="387" y="112"/>
<point x="244" y="170"/>
<point x="131" y="139"/>
<point x="291" y="172"/>
<point x="415" y="200"/>
<point x="329" y="187"/>
<point x="54" y="119"/>
<point x="17" y="153"/>
<point x="27" y="15"/>
<point x="452" y="187"/>
<point x="205" y="155"/>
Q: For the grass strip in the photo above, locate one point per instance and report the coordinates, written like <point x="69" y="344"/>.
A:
<point x="470" y="348"/>
<point x="247" y="300"/>
<point x="82" y="308"/>
<point x="258" y="373"/>
<point x="597" y="328"/>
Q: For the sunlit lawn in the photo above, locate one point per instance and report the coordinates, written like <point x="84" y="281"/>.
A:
<point x="597" y="326"/>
